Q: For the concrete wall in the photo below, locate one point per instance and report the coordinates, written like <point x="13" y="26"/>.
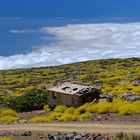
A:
<point x="55" y="98"/>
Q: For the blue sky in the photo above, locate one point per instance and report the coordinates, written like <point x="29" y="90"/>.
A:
<point x="36" y="33"/>
<point x="69" y="8"/>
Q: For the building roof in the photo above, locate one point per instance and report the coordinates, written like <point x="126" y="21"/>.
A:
<point x="70" y="88"/>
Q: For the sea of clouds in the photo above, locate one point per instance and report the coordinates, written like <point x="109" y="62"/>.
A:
<point x="78" y="42"/>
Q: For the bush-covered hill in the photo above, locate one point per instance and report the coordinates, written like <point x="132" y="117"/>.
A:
<point x="115" y="76"/>
<point x="26" y="89"/>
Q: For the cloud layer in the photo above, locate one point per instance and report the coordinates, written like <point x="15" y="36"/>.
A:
<point x="79" y="42"/>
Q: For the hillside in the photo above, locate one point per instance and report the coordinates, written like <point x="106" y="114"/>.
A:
<point x="115" y="76"/>
<point x="23" y="92"/>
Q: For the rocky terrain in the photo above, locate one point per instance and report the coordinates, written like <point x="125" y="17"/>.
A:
<point x="28" y="135"/>
<point x="72" y="131"/>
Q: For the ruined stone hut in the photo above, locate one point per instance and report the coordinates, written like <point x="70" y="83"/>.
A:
<point x="70" y="94"/>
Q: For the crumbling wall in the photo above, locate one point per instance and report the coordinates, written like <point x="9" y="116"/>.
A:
<point x="63" y="99"/>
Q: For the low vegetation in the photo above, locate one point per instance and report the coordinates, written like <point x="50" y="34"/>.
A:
<point x="30" y="100"/>
<point x="39" y="119"/>
<point x="5" y="138"/>
<point x="8" y="116"/>
<point x="47" y="108"/>
<point x="122" y="136"/>
<point x="60" y="109"/>
<point x="117" y="106"/>
<point x="84" y="112"/>
<point x="24" y="90"/>
<point x="87" y="111"/>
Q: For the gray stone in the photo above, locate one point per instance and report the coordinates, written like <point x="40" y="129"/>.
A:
<point x="99" y="118"/>
<point x="24" y="133"/>
<point x="78" y="137"/>
<point x="131" y="97"/>
<point x="50" y="137"/>
<point x="3" y="133"/>
<point x="136" y="83"/>
<point x="27" y="133"/>
<point x="83" y="134"/>
<point x="22" y="121"/>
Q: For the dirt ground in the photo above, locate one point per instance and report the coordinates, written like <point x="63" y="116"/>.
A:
<point x="87" y="127"/>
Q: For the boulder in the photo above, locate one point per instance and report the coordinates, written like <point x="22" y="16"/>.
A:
<point x="24" y="133"/>
<point x="78" y="137"/>
<point x="50" y="136"/>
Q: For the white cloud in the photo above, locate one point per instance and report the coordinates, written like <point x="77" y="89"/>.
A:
<point x="80" y="42"/>
<point x="21" y="31"/>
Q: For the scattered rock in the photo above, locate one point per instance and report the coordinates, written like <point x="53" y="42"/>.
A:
<point x="96" y="81"/>
<point x="27" y="133"/>
<point x="40" y="112"/>
<point x="3" y="133"/>
<point x="42" y="136"/>
<point x="103" y="97"/>
<point x="130" y="96"/>
<point x="77" y="136"/>
<point x="107" y="97"/>
<point x="24" y="133"/>
<point x="22" y="121"/>
<point x="101" y="100"/>
<point x="136" y="82"/>
<point x="50" y="137"/>
<point x="99" y="118"/>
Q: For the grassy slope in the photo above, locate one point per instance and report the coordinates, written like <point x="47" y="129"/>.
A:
<point x="116" y="76"/>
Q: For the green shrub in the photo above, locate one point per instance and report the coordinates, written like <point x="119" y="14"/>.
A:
<point x="128" y="109"/>
<point x="104" y="107"/>
<point x="93" y="108"/>
<point x="137" y="104"/>
<point x="54" y="116"/>
<point x="60" y="108"/>
<point x="1" y="100"/>
<point x="8" y="112"/>
<point x="117" y="104"/>
<point x="30" y="100"/>
<point x="101" y="108"/>
<point x="8" y="119"/>
<point x="120" y="135"/>
<point x="63" y="113"/>
<point x="39" y="119"/>
<point x="86" y="115"/>
<point x="70" y="110"/>
<point x="69" y="117"/>
<point x="47" y="109"/>
<point x="5" y="138"/>
<point x="84" y="108"/>
<point x="8" y="115"/>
